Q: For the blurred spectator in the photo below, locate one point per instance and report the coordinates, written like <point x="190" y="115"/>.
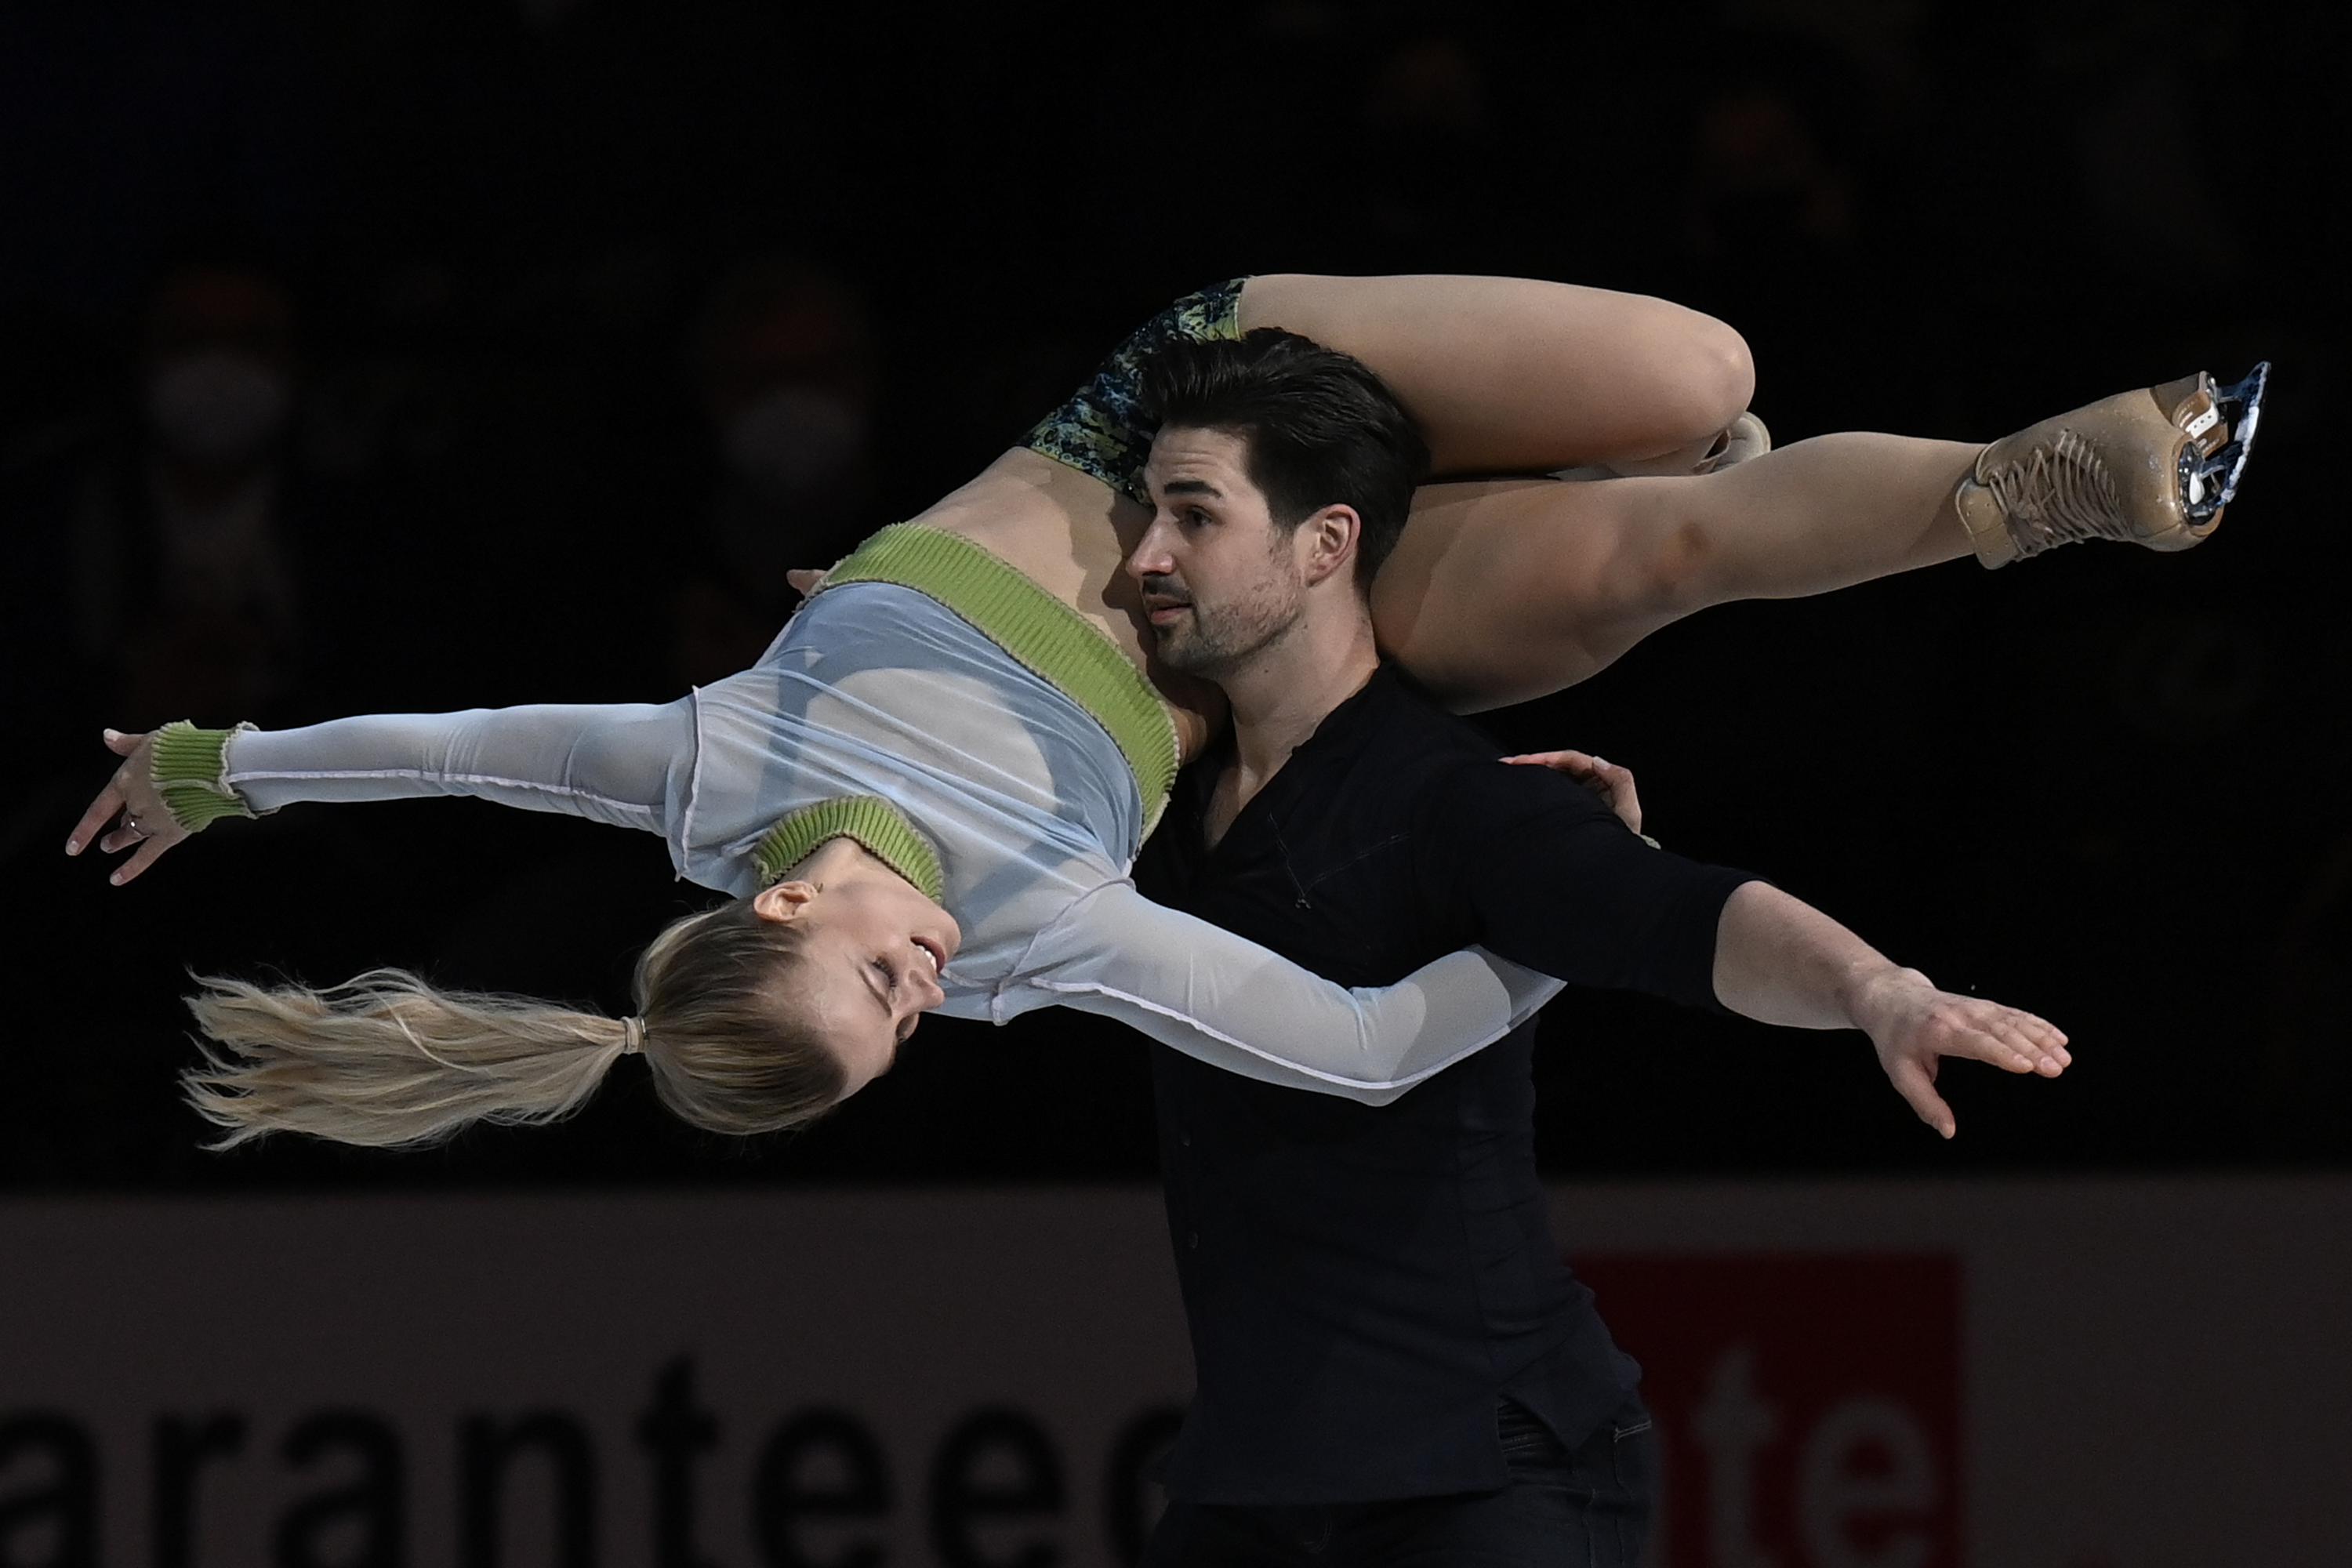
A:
<point x="187" y="578"/>
<point x="2301" y="1079"/>
<point x="787" y="375"/>
<point x="1782" y="237"/>
<point x="2147" y="169"/>
<point x="125" y="123"/>
<point x="1766" y="192"/>
<point x="1431" y="158"/>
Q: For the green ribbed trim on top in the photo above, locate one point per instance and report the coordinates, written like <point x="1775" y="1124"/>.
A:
<point x="1051" y="639"/>
<point x="189" y="769"/>
<point x="880" y="828"/>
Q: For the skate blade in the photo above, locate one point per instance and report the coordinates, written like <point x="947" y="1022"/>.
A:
<point x="2209" y="484"/>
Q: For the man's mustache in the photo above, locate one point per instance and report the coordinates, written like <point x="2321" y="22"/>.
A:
<point x="1162" y="593"/>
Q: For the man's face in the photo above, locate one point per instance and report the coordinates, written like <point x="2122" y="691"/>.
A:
<point x="1221" y="581"/>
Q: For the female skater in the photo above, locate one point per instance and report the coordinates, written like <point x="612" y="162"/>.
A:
<point x="963" y="717"/>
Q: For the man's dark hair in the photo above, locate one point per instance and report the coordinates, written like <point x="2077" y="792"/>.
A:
<point x="1318" y="429"/>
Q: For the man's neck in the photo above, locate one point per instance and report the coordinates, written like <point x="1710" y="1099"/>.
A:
<point x="1284" y="693"/>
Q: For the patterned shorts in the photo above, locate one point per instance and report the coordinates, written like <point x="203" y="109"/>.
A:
<point x="1100" y="431"/>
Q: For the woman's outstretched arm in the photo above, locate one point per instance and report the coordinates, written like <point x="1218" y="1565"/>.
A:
<point x="1580" y="897"/>
<point x="1235" y="1004"/>
<point x="608" y="763"/>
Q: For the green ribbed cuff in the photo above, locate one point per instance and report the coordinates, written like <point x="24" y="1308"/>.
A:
<point x="878" y="826"/>
<point x="1052" y="640"/>
<point x="189" y="769"/>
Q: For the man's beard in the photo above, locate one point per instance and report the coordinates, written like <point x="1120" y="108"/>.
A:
<point x="1214" y="642"/>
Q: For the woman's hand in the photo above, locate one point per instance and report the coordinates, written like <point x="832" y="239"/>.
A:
<point x="1611" y="783"/>
<point x="146" y="822"/>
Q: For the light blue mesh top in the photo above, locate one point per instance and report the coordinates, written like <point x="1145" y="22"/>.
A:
<point x="876" y="689"/>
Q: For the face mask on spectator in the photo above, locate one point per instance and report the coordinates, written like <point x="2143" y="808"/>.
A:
<point x="217" y="407"/>
<point x="794" y="442"/>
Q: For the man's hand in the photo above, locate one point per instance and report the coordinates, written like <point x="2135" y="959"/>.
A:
<point x="1915" y="1027"/>
<point x="146" y="822"/>
<point x="807" y="580"/>
<point x="1611" y="783"/>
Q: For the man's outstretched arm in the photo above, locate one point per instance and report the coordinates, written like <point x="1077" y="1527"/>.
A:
<point x="1780" y="961"/>
<point x="1540" y="872"/>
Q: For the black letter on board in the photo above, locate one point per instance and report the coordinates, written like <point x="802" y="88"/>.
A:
<point x="181" y="1448"/>
<point x="995" y="1439"/>
<point x="487" y="1450"/>
<point x="780" y="1500"/>
<point x="369" y="1509"/>
<point x="62" y="1515"/>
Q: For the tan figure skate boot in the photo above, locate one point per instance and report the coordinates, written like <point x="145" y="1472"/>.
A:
<point x="2154" y="466"/>
<point x="1746" y="439"/>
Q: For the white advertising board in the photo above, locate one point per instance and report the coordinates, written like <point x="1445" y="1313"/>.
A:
<point x="2099" y="1374"/>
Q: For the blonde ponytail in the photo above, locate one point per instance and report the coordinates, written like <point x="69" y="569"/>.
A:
<point x="386" y="1061"/>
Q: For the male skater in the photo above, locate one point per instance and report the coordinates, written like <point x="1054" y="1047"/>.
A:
<point x="1394" y="1364"/>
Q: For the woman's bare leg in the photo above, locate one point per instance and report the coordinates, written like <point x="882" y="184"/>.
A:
<point x="1505" y="590"/>
<point x="1516" y="375"/>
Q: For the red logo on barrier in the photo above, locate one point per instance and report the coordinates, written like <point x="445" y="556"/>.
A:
<point x="1808" y="1407"/>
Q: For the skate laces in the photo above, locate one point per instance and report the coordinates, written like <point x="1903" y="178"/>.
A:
<point x="2059" y="494"/>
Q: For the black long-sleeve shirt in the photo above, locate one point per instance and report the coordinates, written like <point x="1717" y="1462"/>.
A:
<point x="1364" y="1283"/>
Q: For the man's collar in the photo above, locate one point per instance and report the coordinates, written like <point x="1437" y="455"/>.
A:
<point x="1356" y="715"/>
<point x="1360" y="713"/>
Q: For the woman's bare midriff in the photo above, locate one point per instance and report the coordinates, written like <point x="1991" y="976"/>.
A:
<point x="1069" y="533"/>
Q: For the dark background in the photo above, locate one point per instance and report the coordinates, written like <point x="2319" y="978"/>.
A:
<point x="521" y="265"/>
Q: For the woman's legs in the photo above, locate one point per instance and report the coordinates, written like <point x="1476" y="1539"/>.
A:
<point x="1516" y="375"/>
<point x="1505" y="590"/>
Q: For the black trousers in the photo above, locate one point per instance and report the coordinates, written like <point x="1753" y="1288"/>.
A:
<point x="1587" y="1507"/>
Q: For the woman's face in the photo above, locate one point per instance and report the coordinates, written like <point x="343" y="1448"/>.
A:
<point x="872" y="951"/>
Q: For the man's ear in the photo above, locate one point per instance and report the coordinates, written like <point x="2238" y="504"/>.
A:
<point x="1331" y="537"/>
<point x="783" y="901"/>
